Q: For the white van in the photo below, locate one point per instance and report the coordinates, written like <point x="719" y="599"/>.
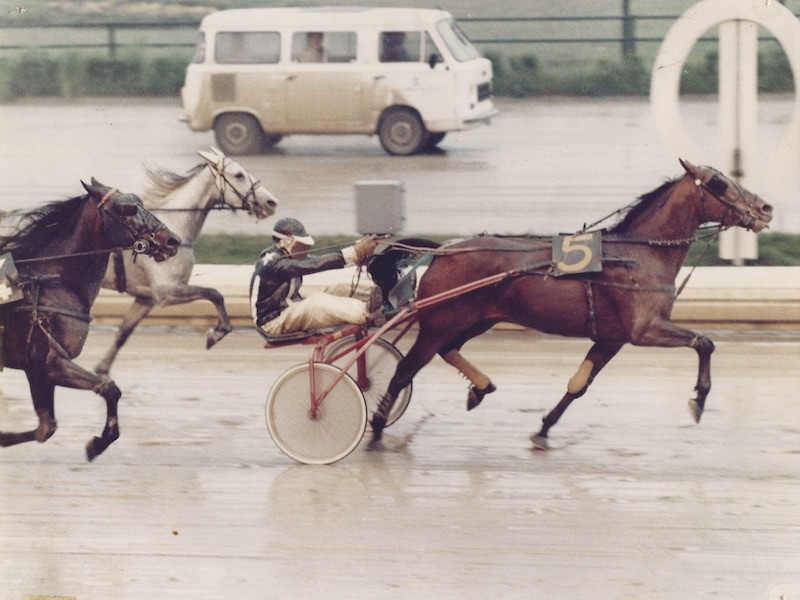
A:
<point x="409" y="75"/>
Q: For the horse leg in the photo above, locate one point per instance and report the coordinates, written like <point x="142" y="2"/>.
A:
<point x="420" y="355"/>
<point x="666" y="334"/>
<point x="190" y="293"/>
<point x="598" y="357"/>
<point x="42" y="394"/>
<point x="65" y="373"/>
<point x="451" y="353"/>
<point x="133" y="316"/>
<point x="704" y="347"/>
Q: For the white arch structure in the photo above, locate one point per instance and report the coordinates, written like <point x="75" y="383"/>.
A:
<point x="738" y="94"/>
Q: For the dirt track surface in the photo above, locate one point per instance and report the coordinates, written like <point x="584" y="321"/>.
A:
<point x="195" y="501"/>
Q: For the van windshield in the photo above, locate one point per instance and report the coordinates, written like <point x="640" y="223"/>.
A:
<point x="460" y="47"/>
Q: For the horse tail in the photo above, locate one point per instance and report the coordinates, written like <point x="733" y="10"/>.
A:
<point x="386" y="268"/>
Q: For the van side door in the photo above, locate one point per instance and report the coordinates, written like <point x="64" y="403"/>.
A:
<point x="325" y="86"/>
<point x="415" y="74"/>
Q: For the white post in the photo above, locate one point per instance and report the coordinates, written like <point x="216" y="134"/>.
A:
<point x="738" y="119"/>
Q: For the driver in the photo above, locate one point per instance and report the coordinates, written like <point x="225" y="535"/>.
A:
<point x="275" y="302"/>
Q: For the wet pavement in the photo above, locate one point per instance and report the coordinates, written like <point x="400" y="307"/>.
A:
<point x="543" y="166"/>
<point x="634" y="501"/>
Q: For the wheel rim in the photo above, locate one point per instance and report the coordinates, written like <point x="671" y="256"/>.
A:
<point x="338" y="426"/>
<point x="402" y="133"/>
<point x="382" y="359"/>
<point x="237" y="134"/>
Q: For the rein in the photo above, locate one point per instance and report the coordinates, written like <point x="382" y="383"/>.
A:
<point x="217" y="206"/>
<point x="74" y="254"/>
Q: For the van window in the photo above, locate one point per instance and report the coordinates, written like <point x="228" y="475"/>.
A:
<point x="400" y="46"/>
<point x="430" y="49"/>
<point x="247" y="47"/>
<point x="200" y="49"/>
<point x="456" y="40"/>
<point x="330" y="46"/>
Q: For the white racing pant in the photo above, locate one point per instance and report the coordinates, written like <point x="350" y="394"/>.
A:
<point x="318" y="311"/>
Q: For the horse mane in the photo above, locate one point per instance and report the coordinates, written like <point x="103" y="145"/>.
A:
<point x="643" y="203"/>
<point x="39" y="227"/>
<point x="163" y="182"/>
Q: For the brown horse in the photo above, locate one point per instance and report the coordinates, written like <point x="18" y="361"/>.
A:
<point x="627" y="299"/>
<point x="61" y="252"/>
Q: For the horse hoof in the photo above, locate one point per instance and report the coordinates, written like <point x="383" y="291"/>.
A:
<point x="375" y="446"/>
<point x="540" y="442"/>
<point x="215" y="335"/>
<point x="475" y="396"/>
<point x="91" y="449"/>
<point x="696" y="409"/>
<point x="97" y="446"/>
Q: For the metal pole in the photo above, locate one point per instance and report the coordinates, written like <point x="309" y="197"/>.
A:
<point x="628" y="31"/>
<point x="738" y="100"/>
<point x="112" y="41"/>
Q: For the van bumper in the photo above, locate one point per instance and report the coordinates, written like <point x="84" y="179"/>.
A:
<point x="485" y="117"/>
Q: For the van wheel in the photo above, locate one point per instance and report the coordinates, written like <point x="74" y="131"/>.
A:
<point x="401" y="132"/>
<point x="239" y="133"/>
<point x="270" y="139"/>
<point x="434" y="139"/>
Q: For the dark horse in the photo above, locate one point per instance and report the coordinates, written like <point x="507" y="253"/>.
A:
<point x="61" y="252"/>
<point x="628" y="301"/>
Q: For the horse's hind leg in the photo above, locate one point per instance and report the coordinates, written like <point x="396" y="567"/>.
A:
<point x="598" y="357"/>
<point x="133" y="316"/>
<point x="420" y="355"/>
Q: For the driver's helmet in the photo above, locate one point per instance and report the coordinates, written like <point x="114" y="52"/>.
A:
<point x="291" y="230"/>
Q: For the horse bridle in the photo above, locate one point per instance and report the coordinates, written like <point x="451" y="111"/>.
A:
<point x="222" y="181"/>
<point x="140" y="244"/>
<point x="717" y="186"/>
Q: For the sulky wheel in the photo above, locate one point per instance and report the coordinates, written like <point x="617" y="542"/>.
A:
<point x="336" y="429"/>
<point x="382" y="358"/>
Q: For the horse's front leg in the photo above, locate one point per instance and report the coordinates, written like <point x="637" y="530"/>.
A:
<point x="190" y="293"/>
<point x="42" y="394"/>
<point x="451" y="353"/>
<point x="704" y="348"/>
<point x="666" y="334"/>
<point x="598" y="357"/>
<point x="65" y="373"/>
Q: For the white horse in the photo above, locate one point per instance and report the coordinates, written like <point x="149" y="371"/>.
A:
<point x="183" y="202"/>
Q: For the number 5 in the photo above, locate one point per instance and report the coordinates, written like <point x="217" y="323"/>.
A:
<point x="573" y="243"/>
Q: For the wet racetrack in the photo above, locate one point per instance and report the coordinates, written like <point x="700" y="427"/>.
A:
<point x="195" y="501"/>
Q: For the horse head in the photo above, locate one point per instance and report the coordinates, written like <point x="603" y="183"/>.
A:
<point x="237" y="188"/>
<point x="726" y="202"/>
<point x="127" y="223"/>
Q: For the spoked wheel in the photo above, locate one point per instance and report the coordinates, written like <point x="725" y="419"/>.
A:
<point x="381" y="362"/>
<point x="327" y="437"/>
